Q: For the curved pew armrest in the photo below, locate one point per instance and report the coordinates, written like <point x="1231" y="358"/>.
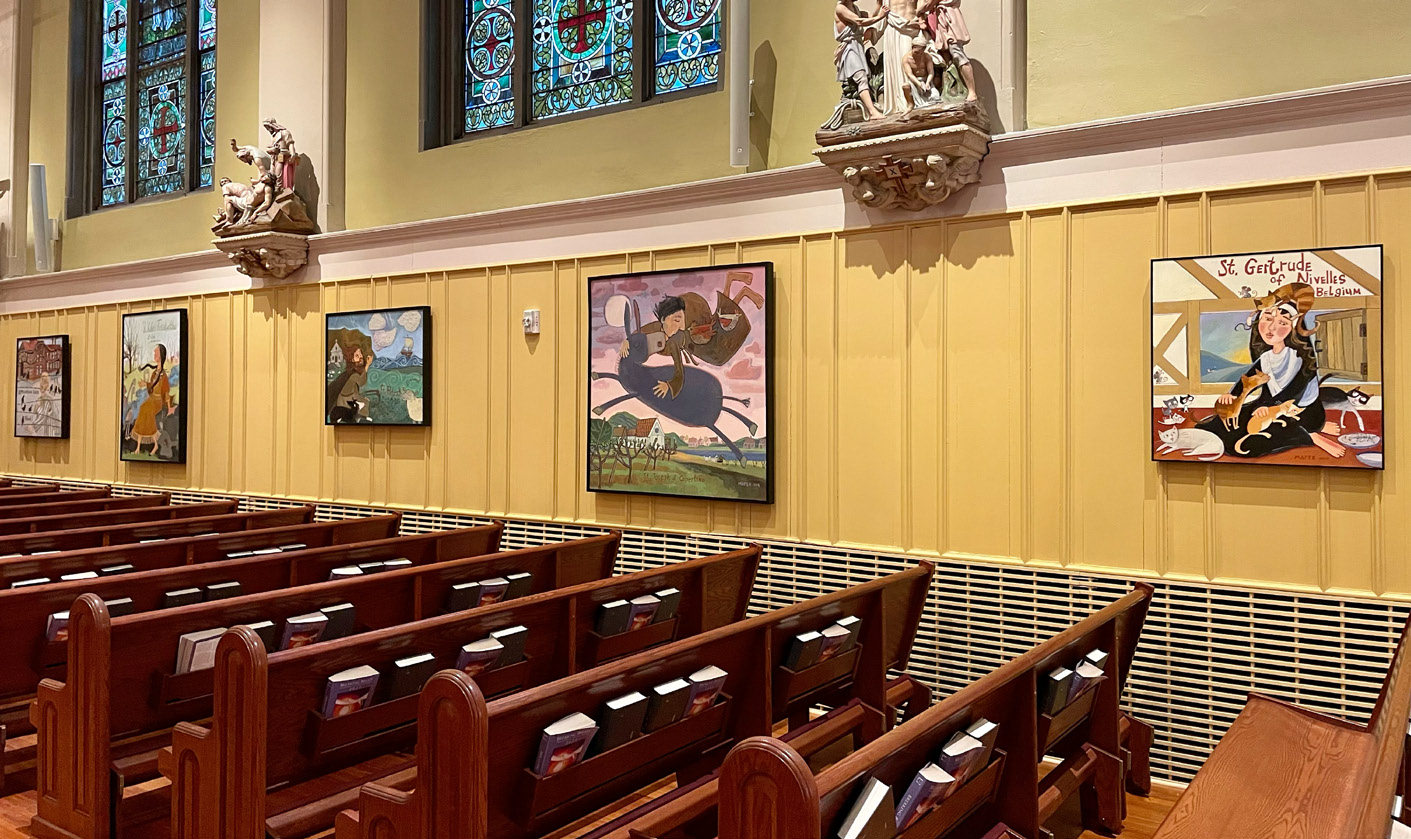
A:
<point x="1314" y="716"/>
<point x="374" y="801"/>
<point x="184" y="735"/>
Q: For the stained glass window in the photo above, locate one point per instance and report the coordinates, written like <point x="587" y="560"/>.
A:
<point x="582" y="55"/>
<point x="157" y="121"/>
<point x="489" y="64"/>
<point x="686" y="44"/>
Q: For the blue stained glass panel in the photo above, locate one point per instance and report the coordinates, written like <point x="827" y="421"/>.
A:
<point x="489" y="64"/>
<point x="686" y="44"/>
<point x="207" y="25"/>
<point x="161" y="130"/>
<point x="207" y="104"/>
<point x="161" y="31"/>
<point x="112" y="156"/>
<point x="581" y="57"/>
<point x="114" y="38"/>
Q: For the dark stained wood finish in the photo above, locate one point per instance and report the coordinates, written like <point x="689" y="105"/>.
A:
<point x="22" y="496"/>
<point x="6" y="489"/>
<point x="91" y="504"/>
<point x="48" y="522"/>
<point x="122" y="534"/>
<point x="518" y="804"/>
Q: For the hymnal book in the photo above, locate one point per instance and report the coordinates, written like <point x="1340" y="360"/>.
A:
<point x="265" y="551"/>
<point x="834" y="637"/>
<point x="150" y="541"/>
<point x="296" y="546"/>
<point x="513" y="638"/>
<point x="853" y="624"/>
<point x="79" y="575"/>
<point x="118" y="606"/>
<point x="239" y="554"/>
<point x="961" y="756"/>
<point x="220" y="591"/>
<point x="493" y="590"/>
<point x="370" y="567"/>
<point x="1055" y="687"/>
<point x="10" y="556"/>
<point x="520" y="585"/>
<point x="303" y="630"/>
<point x="613" y="617"/>
<point x="266" y="631"/>
<point x="930" y="786"/>
<point x="396" y="564"/>
<point x="56" y="628"/>
<point x="623" y="718"/>
<point x="1085" y="677"/>
<point x="987" y="733"/>
<point x="1001" y="831"/>
<point x="1098" y="658"/>
<point x="478" y="656"/>
<point x="36" y="581"/>
<point x="643" y="610"/>
<point x="340" y="621"/>
<point x="873" y="814"/>
<point x="1399" y="830"/>
<point x="564" y="743"/>
<point x="181" y="597"/>
<point x="43" y="553"/>
<point x="803" y="652"/>
<point x="667" y="704"/>
<point x="463" y="596"/>
<point x="115" y="569"/>
<point x="197" y="650"/>
<point x="409" y="675"/>
<point x="706" y="684"/>
<point x="670" y="601"/>
<point x="346" y="572"/>
<point x="349" y="690"/>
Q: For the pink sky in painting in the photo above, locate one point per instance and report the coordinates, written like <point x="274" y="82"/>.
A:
<point x="743" y="376"/>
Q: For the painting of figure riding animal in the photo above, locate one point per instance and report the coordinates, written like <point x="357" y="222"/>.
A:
<point x="680" y="383"/>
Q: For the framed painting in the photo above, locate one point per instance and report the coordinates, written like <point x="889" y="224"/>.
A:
<point x="680" y="383"/>
<point x="1269" y="358"/>
<point x="154" y="387"/>
<point x="378" y="367"/>
<point x="42" y="387"/>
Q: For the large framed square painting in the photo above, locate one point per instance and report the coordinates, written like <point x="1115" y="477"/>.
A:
<point x="378" y="365"/>
<point x="680" y="383"/>
<point x="1269" y="358"/>
<point x="155" y="387"/>
<point x="42" y="387"/>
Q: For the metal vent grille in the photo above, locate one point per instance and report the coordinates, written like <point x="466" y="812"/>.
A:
<point x="1203" y="649"/>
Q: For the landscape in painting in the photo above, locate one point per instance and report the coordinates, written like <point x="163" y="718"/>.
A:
<point x="1269" y="358"/>
<point x="42" y="387"/>
<point x="378" y="367"/>
<point x="679" y="383"/>
<point x="153" y="387"/>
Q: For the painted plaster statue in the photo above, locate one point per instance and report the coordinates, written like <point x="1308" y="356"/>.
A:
<point x="900" y="27"/>
<point x="252" y="156"/>
<point x="269" y="203"/>
<point x="282" y="151"/>
<point x="849" y="28"/>
<point x="944" y="20"/>
<point x="920" y="72"/>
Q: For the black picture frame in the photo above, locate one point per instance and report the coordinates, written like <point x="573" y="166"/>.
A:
<point x="768" y="364"/>
<point x="183" y="403"/>
<point x="426" y="366"/>
<point x="66" y="394"/>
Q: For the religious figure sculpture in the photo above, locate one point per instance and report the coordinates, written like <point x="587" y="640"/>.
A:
<point x="263" y="226"/>
<point x="281" y="150"/>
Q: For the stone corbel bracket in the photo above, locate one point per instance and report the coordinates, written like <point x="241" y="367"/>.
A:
<point x="267" y="256"/>
<point x="912" y="170"/>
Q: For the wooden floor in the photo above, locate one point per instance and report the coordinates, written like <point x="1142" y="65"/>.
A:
<point x="1143" y="816"/>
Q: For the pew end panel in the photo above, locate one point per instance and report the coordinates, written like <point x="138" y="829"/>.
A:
<point x="777" y="794"/>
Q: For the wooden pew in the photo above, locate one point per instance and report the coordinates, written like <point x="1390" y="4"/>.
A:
<point x="7" y="489"/>
<point x="129" y="706"/>
<point x="91" y="505"/>
<point x="122" y="534"/>
<point x="45" y="495"/>
<point x="1285" y="770"/>
<point x="314" y="766"/>
<point x="188" y="550"/>
<point x="464" y="788"/>
<point x="1114" y="628"/>
<point x="28" y="656"/>
<point x="45" y="523"/>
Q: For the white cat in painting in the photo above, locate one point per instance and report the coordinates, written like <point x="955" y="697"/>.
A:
<point x="1192" y="442"/>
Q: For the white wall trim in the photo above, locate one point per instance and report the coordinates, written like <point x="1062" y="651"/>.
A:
<point x="1342" y="130"/>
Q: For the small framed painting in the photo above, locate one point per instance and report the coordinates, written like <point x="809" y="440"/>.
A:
<point x="1269" y="358"/>
<point x="680" y="383"/>
<point x="378" y="367"/>
<point x="42" y="387"/>
<point x="154" y="387"/>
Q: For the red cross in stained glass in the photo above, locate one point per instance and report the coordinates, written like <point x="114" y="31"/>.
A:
<point x="579" y="23"/>
<point x="116" y="24"/>
<point x="115" y="142"/>
<point x="165" y="128"/>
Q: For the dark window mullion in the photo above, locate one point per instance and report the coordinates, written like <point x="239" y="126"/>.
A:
<point x="92" y="128"/>
<point x="641" y="14"/>
<point x="134" y="17"/>
<point x="193" y="95"/>
<point x="523" y="58"/>
<point x="454" y="48"/>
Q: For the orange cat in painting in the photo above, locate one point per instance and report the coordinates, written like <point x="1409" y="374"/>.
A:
<point x="1258" y="425"/>
<point x="1229" y="414"/>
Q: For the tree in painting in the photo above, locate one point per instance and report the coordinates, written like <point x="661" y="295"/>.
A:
<point x="378" y="367"/>
<point x="153" y="400"/>
<point x="41" y="387"/>
<point x="679" y="383"/>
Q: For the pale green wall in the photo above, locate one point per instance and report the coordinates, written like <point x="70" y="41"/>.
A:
<point x="157" y="227"/>
<point x="1090" y="59"/>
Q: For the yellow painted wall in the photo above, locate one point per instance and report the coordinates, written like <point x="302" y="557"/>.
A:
<point x="1090" y="59"/>
<point x="157" y="227"/>
<point x="974" y="387"/>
